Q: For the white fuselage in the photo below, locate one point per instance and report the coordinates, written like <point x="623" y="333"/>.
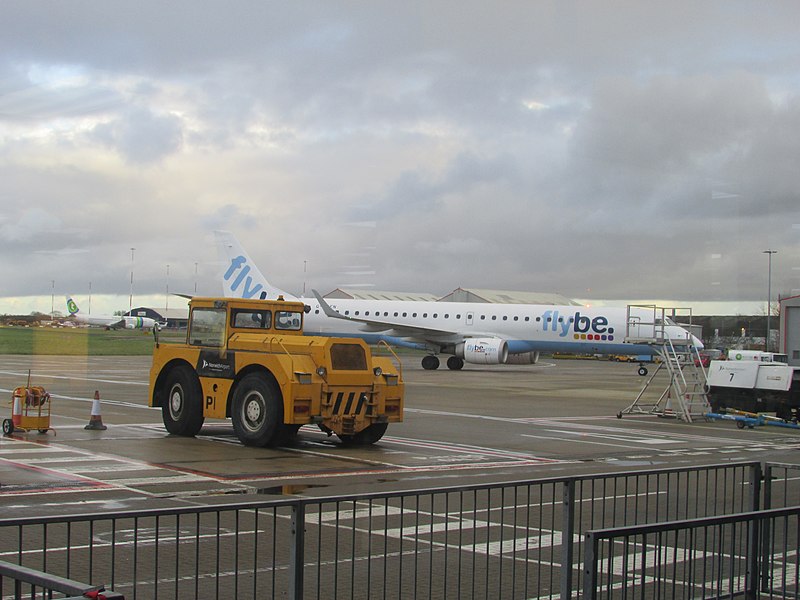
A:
<point x="113" y="321"/>
<point x="525" y="327"/>
<point x="476" y="332"/>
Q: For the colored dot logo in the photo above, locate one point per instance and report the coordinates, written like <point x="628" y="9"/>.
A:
<point x="72" y="307"/>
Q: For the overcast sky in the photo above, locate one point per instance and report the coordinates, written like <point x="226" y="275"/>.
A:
<point x="602" y="150"/>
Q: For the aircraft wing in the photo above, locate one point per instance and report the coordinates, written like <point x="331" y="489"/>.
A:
<point x="115" y="324"/>
<point x="397" y="329"/>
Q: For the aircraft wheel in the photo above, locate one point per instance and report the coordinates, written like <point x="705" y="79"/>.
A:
<point x="367" y="436"/>
<point x="454" y="363"/>
<point x="642" y="371"/>
<point x="257" y="411"/>
<point x="182" y="408"/>
<point x="430" y="362"/>
<point x="8" y="426"/>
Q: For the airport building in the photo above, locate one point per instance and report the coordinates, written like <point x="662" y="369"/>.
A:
<point x="506" y="297"/>
<point x="790" y="329"/>
<point x="358" y="294"/>
<point x="457" y="295"/>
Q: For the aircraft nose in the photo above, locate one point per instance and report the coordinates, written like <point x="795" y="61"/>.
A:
<point x="697" y="343"/>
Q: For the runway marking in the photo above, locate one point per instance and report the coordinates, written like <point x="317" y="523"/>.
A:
<point x="71" y="377"/>
<point x="548" y="437"/>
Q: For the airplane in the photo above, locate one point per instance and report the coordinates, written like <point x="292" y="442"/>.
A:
<point x="111" y="321"/>
<point x="469" y="332"/>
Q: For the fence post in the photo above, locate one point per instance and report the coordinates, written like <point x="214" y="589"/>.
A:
<point x="765" y="572"/>
<point x="297" y="549"/>
<point x="756" y="477"/>
<point x="567" y="533"/>
<point x="753" y="579"/>
<point x="591" y="547"/>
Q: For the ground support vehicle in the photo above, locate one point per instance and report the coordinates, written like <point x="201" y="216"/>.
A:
<point x="249" y="361"/>
<point x="30" y="410"/>
<point x="747" y="419"/>
<point x="756" y="387"/>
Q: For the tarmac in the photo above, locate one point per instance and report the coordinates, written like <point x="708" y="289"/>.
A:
<point x="482" y="424"/>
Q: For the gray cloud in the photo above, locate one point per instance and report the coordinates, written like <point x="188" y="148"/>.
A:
<point x="614" y="150"/>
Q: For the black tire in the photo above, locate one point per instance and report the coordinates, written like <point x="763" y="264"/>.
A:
<point x="8" y="426"/>
<point x="454" y="363"/>
<point x="642" y="371"/>
<point x="367" y="436"/>
<point x="430" y="362"/>
<point x="182" y="405"/>
<point x="257" y="411"/>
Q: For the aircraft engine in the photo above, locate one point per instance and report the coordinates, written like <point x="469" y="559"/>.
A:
<point x="483" y="351"/>
<point x="523" y="358"/>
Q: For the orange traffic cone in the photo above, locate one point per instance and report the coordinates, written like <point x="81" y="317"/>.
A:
<point x="95" y="420"/>
<point x="16" y="411"/>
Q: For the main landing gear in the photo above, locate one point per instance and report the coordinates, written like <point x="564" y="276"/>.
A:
<point x="431" y="363"/>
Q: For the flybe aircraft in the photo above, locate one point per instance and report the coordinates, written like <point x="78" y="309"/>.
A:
<point x="471" y="332"/>
<point x="109" y="321"/>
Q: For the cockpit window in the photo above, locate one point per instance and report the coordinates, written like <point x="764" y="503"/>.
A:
<point x="288" y="320"/>
<point x="251" y="319"/>
<point x="207" y="327"/>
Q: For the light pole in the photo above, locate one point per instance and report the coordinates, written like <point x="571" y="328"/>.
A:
<point x="52" y="299"/>
<point x="769" y="254"/>
<point x="166" y="298"/>
<point x="130" y="299"/>
<point x="195" y="279"/>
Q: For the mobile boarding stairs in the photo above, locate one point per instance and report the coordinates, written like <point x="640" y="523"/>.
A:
<point x="685" y="395"/>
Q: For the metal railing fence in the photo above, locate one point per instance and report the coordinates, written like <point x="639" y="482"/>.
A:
<point x="747" y="555"/>
<point x="32" y="585"/>
<point x="520" y="539"/>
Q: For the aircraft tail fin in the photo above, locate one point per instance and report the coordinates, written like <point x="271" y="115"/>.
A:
<point x="72" y="307"/>
<point x="240" y="275"/>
